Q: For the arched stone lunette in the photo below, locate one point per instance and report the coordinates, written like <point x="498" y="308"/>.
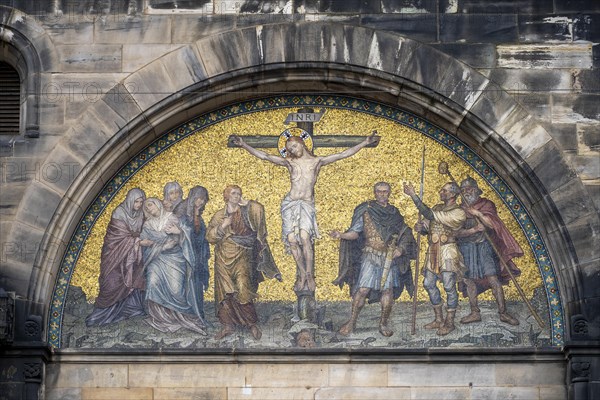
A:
<point x="328" y="58"/>
<point x="28" y="50"/>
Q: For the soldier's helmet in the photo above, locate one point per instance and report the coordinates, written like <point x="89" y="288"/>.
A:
<point x="470" y="182"/>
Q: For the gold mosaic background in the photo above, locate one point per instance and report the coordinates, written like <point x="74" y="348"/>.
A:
<point x="204" y="159"/>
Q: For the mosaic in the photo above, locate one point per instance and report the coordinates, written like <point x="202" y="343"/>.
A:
<point x="298" y="222"/>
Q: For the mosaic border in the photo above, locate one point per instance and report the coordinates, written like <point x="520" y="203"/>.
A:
<point x="340" y="102"/>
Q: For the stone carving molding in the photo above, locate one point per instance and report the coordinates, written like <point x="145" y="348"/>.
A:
<point x="580" y="327"/>
<point x="315" y="57"/>
<point x="32" y="372"/>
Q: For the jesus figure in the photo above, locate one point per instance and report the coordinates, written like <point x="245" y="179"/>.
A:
<point x="298" y="212"/>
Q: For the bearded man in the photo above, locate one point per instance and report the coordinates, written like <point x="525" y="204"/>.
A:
<point x="242" y="260"/>
<point x="484" y="271"/>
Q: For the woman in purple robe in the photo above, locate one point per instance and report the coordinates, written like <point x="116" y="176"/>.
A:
<point x="122" y="282"/>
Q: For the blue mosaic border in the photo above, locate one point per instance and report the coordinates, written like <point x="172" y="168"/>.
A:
<point x="341" y="102"/>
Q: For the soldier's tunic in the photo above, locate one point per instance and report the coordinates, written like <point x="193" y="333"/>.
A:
<point x="444" y="261"/>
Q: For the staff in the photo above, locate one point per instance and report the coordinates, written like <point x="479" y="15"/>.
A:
<point x="443" y="169"/>
<point x="413" y="329"/>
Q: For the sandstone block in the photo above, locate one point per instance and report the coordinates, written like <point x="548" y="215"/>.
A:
<point x="183" y="393"/>
<point x="90" y="58"/>
<point x="358" y="375"/>
<point x="279" y="393"/>
<point x="440" y="393"/>
<point x="89" y="393"/>
<point x="87" y="376"/>
<point x="545" y="56"/>
<point x="501" y="393"/>
<point x="361" y="393"/>
<point x="531" y="375"/>
<point x="135" y="56"/>
<point x="186" y="375"/>
<point x="424" y="375"/>
<point x="280" y="375"/>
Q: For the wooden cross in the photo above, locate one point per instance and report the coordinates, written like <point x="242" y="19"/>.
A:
<point x="304" y="119"/>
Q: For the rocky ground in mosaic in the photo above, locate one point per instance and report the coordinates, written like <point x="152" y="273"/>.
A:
<point x="281" y="329"/>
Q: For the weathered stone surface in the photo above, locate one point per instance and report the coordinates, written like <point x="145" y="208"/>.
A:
<point x="420" y="375"/>
<point x="587" y="80"/>
<point x="12" y="193"/>
<point x="63" y="160"/>
<point x="555" y="392"/>
<point x="248" y="20"/>
<point x="584" y="234"/>
<point x="350" y="6"/>
<point x="230" y="55"/>
<point x="120" y="99"/>
<point x="66" y="31"/>
<point x="358" y="375"/>
<point x="570" y="108"/>
<point x="577" y="6"/>
<point x="280" y="393"/>
<point x="550" y="167"/>
<point x="178" y="375"/>
<point x="179" y="393"/>
<point x="543" y="56"/>
<point x="360" y="393"/>
<point x="587" y="27"/>
<point x="24" y="240"/>
<point x="40" y="202"/>
<point x="498" y="7"/>
<point x="87" y="376"/>
<point x="63" y="394"/>
<point x="572" y="201"/>
<point x="522" y="81"/>
<point x="493" y="105"/>
<point x="409" y="6"/>
<point x="136" y="56"/>
<point x="440" y="392"/>
<point x="150" y="85"/>
<point x="501" y="393"/>
<point x="90" y="393"/>
<point x="522" y="132"/>
<point x="537" y="105"/>
<point x="416" y="66"/>
<point x="77" y="90"/>
<point x="184" y="68"/>
<point x="120" y="29"/>
<point x="15" y="275"/>
<point x="487" y="28"/>
<point x="594" y="191"/>
<point x="190" y="28"/>
<point x="586" y="166"/>
<point x="421" y="27"/>
<point x="542" y="28"/>
<point x="463" y="85"/>
<point x="91" y="58"/>
<point x="590" y="280"/>
<point x="475" y="55"/>
<point x="538" y="374"/>
<point x="280" y="375"/>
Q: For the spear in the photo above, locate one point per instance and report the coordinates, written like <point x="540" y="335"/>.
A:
<point x="413" y="328"/>
<point x="443" y="169"/>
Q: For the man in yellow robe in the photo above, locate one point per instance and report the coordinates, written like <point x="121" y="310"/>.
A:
<point x="242" y="260"/>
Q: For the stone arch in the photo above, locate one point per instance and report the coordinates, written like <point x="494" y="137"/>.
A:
<point x="319" y="57"/>
<point x="24" y="44"/>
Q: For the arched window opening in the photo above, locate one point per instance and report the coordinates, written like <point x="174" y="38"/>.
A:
<point x="10" y="100"/>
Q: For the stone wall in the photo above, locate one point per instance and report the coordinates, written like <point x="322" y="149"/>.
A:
<point x="103" y="69"/>
<point x="314" y="380"/>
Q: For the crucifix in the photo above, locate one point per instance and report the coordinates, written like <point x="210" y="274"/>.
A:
<point x="298" y="211"/>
